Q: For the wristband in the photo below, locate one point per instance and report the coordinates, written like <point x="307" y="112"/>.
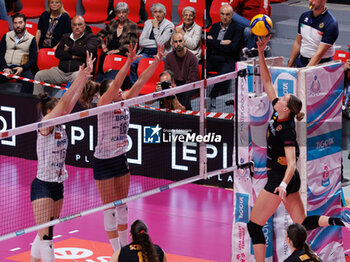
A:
<point x="283" y="184"/>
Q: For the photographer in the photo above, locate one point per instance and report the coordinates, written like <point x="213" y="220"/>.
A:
<point x="166" y="81"/>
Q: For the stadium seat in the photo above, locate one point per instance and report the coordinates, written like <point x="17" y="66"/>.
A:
<point x="69" y="6"/>
<point x="33" y="9"/>
<point x="114" y="62"/>
<point x="150" y="85"/>
<point x="341" y="55"/>
<point x="4" y="27"/>
<point x="47" y="58"/>
<point x="199" y="5"/>
<point x="95" y="11"/>
<point x="215" y="10"/>
<point x="31" y="27"/>
<point x="134" y="9"/>
<point x="95" y="29"/>
<point x="167" y="3"/>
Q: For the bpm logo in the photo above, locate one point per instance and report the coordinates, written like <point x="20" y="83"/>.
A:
<point x="241" y="212"/>
<point x="151" y="134"/>
<point x="8" y="121"/>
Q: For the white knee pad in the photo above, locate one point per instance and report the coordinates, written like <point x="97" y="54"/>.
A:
<point x="122" y="214"/>
<point x="110" y="220"/>
<point x="46" y="251"/>
<point x="35" y="250"/>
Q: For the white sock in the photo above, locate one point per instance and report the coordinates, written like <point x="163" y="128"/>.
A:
<point x="123" y="236"/>
<point x="46" y="251"/>
<point x="35" y="250"/>
<point x="115" y="243"/>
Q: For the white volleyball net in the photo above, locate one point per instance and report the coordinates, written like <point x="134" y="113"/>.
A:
<point x="166" y="148"/>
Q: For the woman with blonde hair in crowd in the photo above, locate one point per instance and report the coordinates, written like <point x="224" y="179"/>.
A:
<point x="53" y="23"/>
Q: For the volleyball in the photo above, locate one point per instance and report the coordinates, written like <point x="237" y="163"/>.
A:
<point x="261" y="25"/>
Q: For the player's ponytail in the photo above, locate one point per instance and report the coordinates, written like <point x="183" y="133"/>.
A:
<point x="297" y="234"/>
<point x="46" y="103"/>
<point x="140" y="236"/>
<point x="294" y="104"/>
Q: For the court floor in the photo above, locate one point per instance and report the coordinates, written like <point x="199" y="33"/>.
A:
<point x="191" y="223"/>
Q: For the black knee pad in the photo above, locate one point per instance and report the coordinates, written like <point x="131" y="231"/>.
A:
<point x="256" y="233"/>
<point x="311" y="222"/>
<point x="50" y="236"/>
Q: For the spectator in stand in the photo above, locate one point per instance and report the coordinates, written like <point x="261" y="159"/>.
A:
<point x="244" y="11"/>
<point x="317" y="33"/>
<point x="223" y="48"/>
<point x="119" y="33"/>
<point x="184" y="65"/>
<point x="71" y="52"/>
<point x="18" y="52"/>
<point x="191" y="31"/>
<point x="53" y="23"/>
<point x="156" y="32"/>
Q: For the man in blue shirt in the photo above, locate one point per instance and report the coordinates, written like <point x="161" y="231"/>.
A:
<point x="317" y="33"/>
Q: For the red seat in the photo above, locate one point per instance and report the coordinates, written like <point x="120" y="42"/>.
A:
<point x="114" y="62"/>
<point x="95" y="29"/>
<point x="47" y="58"/>
<point x="199" y="5"/>
<point x="33" y="9"/>
<point x="95" y="11"/>
<point x="167" y="3"/>
<point x="134" y="9"/>
<point x="341" y="55"/>
<point x="215" y="10"/>
<point x="69" y="6"/>
<point x="4" y="27"/>
<point x="150" y="85"/>
<point x="31" y="27"/>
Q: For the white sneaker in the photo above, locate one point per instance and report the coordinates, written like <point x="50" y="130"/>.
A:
<point x="343" y="107"/>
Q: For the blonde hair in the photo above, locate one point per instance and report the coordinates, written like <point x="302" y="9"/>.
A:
<point x="62" y="10"/>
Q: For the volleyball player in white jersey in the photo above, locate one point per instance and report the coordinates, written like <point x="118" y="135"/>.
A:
<point x="52" y="142"/>
<point x="111" y="170"/>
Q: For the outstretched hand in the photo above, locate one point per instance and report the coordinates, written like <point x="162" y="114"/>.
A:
<point x="132" y="52"/>
<point x="86" y="70"/>
<point x="262" y="42"/>
<point x="160" y="53"/>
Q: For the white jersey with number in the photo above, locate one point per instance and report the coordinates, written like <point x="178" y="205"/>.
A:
<point x="51" y="151"/>
<point x="112" y="138"/>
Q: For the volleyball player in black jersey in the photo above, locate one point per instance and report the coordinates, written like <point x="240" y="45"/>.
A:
<point x="283" y="181"/>
<point x="141" y="248"/>
<point x="301" y="251"/>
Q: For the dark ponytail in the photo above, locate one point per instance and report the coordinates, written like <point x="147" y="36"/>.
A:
<point x="140" y="236"/>
<point x="46" y="103"/>
<point x="297" y="234"/>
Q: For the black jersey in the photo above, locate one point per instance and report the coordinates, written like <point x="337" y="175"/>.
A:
<point x="299" y="255"/>
<point x="133" y="253"/>
<point x="280" y="133"/>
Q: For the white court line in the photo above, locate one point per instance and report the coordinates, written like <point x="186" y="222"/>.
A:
<point x="57" y="236"/>
<point x="15" y="249"/>
<point x="74" y="231"/>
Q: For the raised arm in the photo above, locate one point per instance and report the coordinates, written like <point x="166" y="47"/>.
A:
<point x="264" y="71"/>
<point x="143" y="78"/>
<point x="108" y="96"/>
<point x="71" y="96"/>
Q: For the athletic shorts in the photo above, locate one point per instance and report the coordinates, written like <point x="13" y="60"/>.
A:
<point x="112" y="167"/>
<point x="42" y="189"/>
<point x="275" y="177"/>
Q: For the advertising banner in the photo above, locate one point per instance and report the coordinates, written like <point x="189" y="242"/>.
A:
<point x="173" y="150"/>
<point x="324" y="90"/>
